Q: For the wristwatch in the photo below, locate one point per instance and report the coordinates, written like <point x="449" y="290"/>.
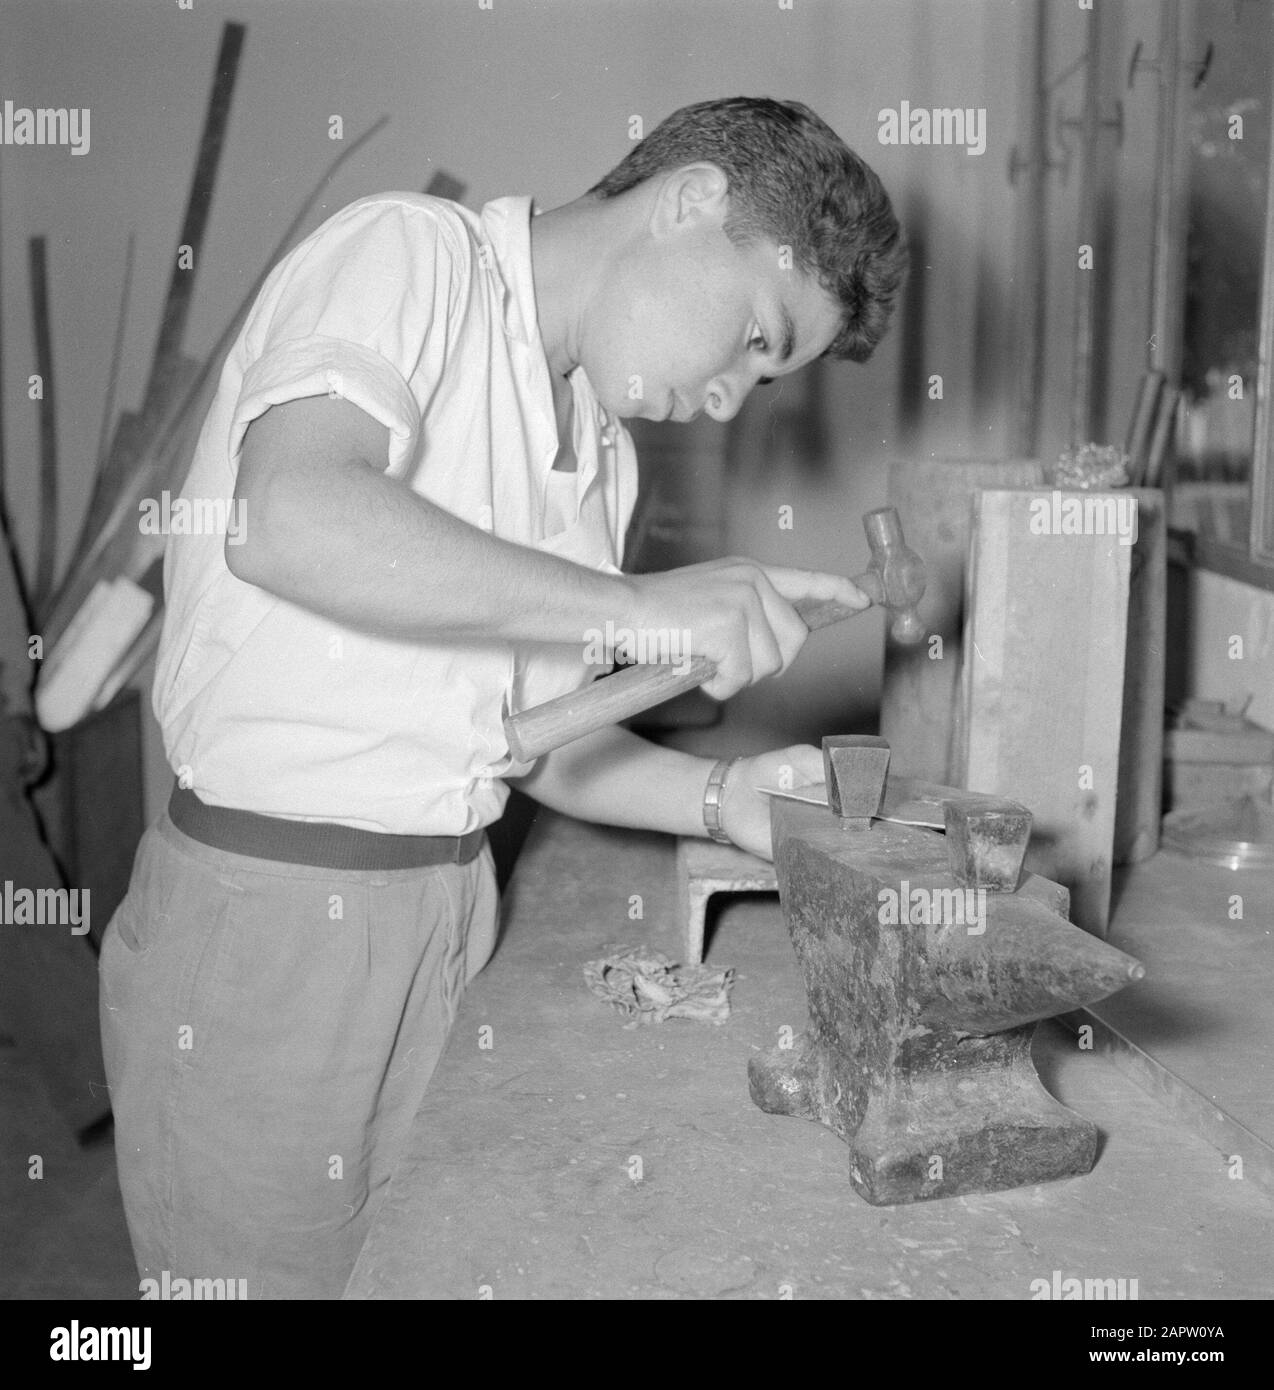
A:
<point x="713" y="795"/>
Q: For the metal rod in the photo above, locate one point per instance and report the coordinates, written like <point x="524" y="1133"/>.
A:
<point x="117" y="349"/>
<point x="1086" y="281"/>
<point x="46" y="553"/>
<point x="6" y="529"/>
<point x="1163" y="315"/>
<point x="181" y="284"/>
<point x="1029" y="251"/>
<point x="3" y="507"/>
<point x="1261" y="520"/>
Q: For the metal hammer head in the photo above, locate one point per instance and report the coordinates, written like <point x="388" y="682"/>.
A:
<point x="896" y="579"/>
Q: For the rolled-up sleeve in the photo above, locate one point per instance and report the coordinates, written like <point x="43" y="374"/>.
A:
<point x="359" y="312"/>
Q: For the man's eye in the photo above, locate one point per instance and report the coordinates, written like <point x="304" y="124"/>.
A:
<point x="757" y="341"/>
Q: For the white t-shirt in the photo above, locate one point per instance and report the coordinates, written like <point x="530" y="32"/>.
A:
<point x="423" y="314"/>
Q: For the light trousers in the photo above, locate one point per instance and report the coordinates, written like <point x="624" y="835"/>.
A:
<point x="268" y="1031"/>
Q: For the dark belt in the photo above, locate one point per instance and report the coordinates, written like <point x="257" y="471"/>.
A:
<point x="318" y="844"/>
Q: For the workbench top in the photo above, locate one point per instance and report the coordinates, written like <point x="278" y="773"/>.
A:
<point x="518" y="1179"/>
<point x="1198" y="1031"/>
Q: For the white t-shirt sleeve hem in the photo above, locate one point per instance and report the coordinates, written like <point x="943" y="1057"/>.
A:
<point x="331" y="367"/>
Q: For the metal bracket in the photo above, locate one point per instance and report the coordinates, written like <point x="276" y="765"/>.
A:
<point x="1020" y="163"/>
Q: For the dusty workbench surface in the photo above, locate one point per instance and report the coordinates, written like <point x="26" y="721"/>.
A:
<point x="1203" y="1013"/>
<point x="518" y="1178"/>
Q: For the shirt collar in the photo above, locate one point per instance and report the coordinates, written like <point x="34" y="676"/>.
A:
<point x="506" y="226"/>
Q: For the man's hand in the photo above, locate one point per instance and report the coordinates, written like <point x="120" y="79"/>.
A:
<point x="745" y="813"/>
<point x="736" y="612"/>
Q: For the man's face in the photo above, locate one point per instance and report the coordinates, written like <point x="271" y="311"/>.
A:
<point x="688" y="322"/>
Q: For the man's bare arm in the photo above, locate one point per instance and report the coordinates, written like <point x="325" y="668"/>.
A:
<point x="325" y="528"/>
<point x="616" y="778"/>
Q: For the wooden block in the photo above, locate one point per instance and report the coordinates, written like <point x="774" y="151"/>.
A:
<point x="704" y="868"/>
<point x="1140" y="801"/>
<point x="1043" y="676"/>
<point x="920" y="693"/>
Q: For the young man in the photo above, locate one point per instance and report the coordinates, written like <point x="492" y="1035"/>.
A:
<point x="422" y="427"/>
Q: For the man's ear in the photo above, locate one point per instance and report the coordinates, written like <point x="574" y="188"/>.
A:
<point x="692" y="196"/>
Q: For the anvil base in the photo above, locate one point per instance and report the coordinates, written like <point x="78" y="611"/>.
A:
<point x="981" y="1123"/>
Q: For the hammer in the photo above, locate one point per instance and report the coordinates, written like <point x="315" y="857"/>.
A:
<point x="895" y="580"/>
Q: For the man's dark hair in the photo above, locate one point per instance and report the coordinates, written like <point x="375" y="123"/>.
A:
<point x="793" y="181"/>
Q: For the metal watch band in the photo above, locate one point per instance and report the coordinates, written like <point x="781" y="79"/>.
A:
<point x="713" y="795"/>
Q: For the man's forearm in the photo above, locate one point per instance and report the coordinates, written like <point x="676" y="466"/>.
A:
<point x="617" y="778"/>
<point x="326" y="529"/>
<point x="393" y="563"/>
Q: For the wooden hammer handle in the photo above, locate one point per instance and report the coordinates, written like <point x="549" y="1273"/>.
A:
<point x="539" y="730"/>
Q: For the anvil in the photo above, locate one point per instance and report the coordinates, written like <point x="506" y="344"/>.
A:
<point x="927" y="962"/>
